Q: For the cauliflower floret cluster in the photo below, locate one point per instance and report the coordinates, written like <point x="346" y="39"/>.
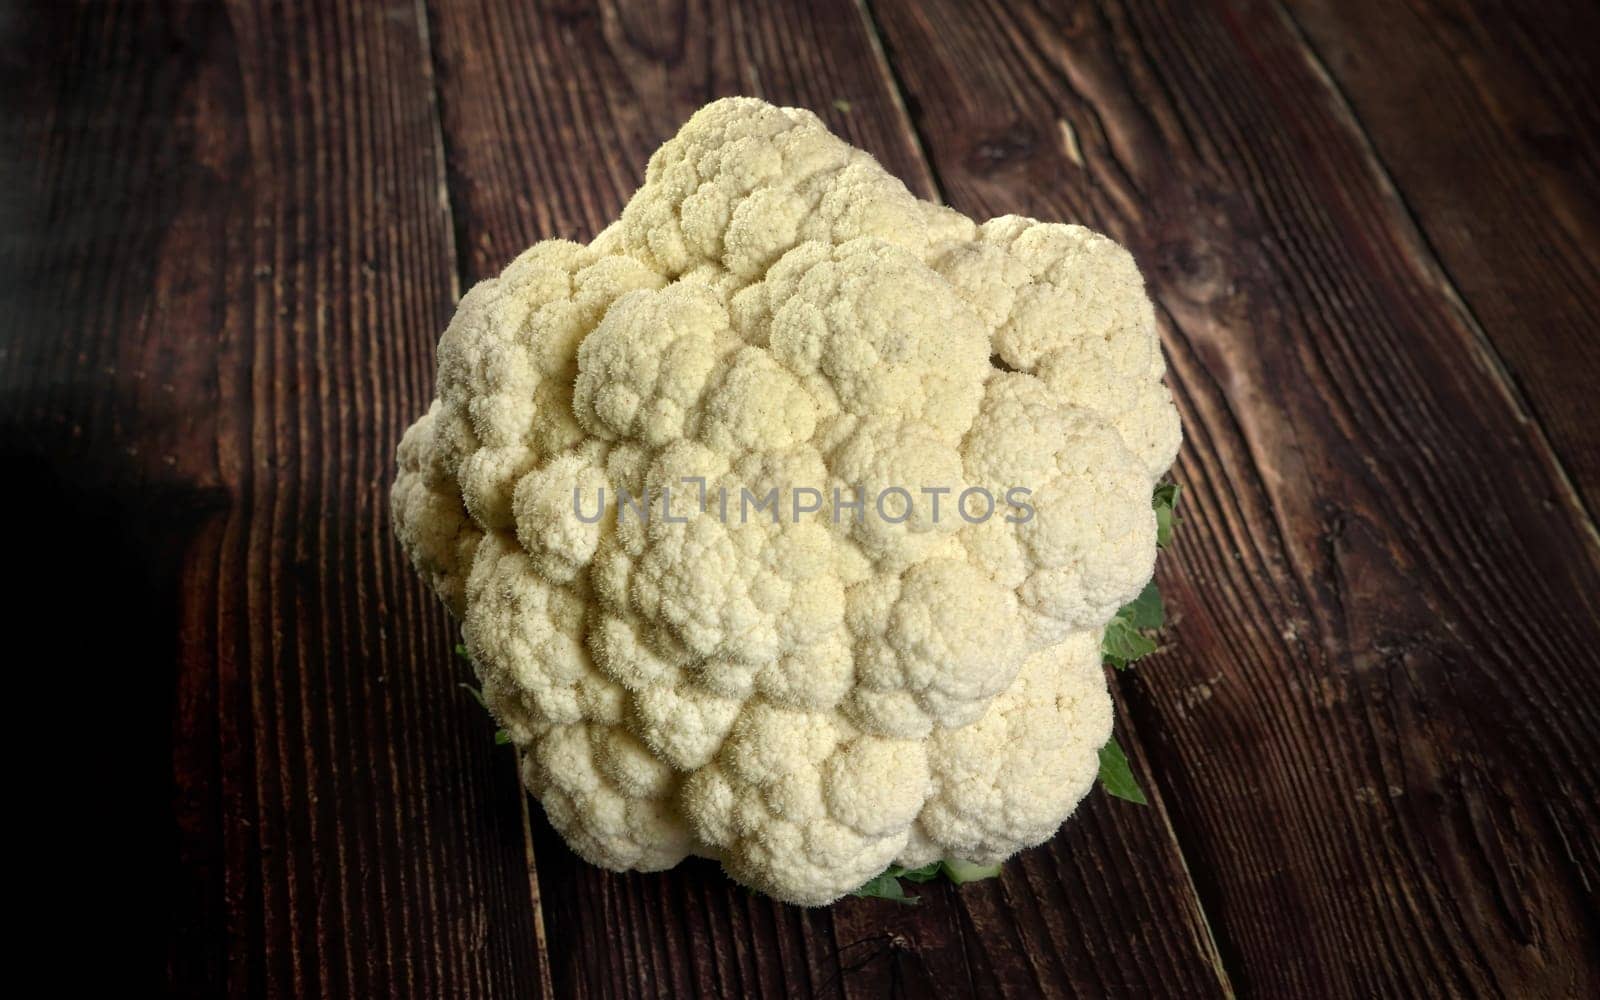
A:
<point x="806" y="698"/>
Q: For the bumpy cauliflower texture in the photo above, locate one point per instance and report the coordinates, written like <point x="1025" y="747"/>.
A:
<point x="808" y="698"/>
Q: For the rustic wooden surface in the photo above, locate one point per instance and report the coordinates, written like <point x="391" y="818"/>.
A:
<point x="232" y="232"/>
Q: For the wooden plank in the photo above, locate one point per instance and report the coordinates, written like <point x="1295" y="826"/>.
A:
<point x="1377" y="721"/>
<point x="550" y="113"/>
<point x="226" y="260"/>
<point x="1485" y="116"/>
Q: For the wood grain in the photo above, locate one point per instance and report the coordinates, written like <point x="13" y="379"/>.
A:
<point x="230" y="234"/>
<point x="549" y="116"/>
<point x="1376" y="724"/>
<point x="1485" y="115"/>
<point x="227" y="257"/>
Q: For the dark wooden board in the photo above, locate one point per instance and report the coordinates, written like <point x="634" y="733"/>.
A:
<point x="230" y="234"/>
<point x="1377" y="724"/>
<point x="1487" y="117"/>
<point x="226" y="259"/>
<point x="549" y="116"/>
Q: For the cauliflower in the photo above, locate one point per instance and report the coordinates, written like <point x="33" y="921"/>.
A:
<point x="705" y="495"/>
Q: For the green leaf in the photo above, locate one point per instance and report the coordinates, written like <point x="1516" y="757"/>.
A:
<point x="1116" y="776"/>
<point x="962" y="872"/>
<point x="1122" y="643"/>
<point x="461" y="651"/>
<point x="927" y="873"/>
<point x="501" y="738"/>
<point x="1164" y="500"/>
<point x="1146" y="610"/>
<point x="886" y="886"/>
<point x="1124" y="640"/>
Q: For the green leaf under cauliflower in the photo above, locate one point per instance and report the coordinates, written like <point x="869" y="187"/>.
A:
<point x="962" y="872"/>
<point x="1116" y="776"/>
<point x="1165" y="499"/>
<point x="927" y="873"/>
<point x="887" y="885"/>
<point x="1125" y="639"/>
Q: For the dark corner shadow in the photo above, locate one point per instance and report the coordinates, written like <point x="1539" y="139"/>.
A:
<point x="93" y="590"/>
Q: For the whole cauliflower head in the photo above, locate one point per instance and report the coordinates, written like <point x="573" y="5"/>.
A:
<point x="708" y="498"/>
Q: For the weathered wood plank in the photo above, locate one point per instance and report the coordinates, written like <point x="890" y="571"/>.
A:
<point x="550" y="114"/>
<point x="226" y="258"/>
<point x="1377" y="723"/>
<point x="1485" y="116"/>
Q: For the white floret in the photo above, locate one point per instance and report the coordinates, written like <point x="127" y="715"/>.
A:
<point x="1008" y="778"/>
